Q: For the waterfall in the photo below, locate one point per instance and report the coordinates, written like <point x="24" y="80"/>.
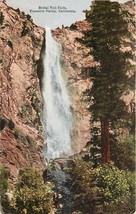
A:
<point x="57" y="117"/>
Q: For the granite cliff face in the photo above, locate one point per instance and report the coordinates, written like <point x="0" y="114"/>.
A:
<point x="21" y="102"/>
<point x="22" y="45"/>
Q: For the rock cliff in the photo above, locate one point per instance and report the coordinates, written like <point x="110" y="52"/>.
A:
<point x="21" y="102"/>
<point x="22" y="46"/>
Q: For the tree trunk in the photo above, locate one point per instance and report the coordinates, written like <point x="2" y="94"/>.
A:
<point x="105" y="140"/>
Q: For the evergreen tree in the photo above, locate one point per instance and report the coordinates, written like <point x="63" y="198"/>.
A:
<point x="106" y="40"/>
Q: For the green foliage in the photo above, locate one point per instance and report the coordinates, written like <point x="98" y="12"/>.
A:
<point x="4" y="175"/>
<point x="108" y="188"/>
<point x="123" y="153"/>
<point x="31" y="195"/>
<point x="130" y="204"/>
<point x="83" y="186"/>
<point x="95" y="149"/>
<point x="127" y="206"/>
<point x="101" y="188"/>
<point x="108" y="40"/>
<point x="109" y="21"/>
<point x="113" y="184"/>
<point x="25" y="30"/>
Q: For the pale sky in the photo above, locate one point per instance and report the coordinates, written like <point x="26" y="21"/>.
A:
<point x="53" y="19"/>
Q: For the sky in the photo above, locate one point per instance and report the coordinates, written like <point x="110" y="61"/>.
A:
<point x="54" y="13"/>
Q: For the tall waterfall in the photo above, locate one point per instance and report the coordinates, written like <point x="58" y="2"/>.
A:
<point x="57" y="117"/>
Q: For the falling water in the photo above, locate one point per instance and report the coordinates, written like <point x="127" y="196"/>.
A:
<point x="56" y="111"/>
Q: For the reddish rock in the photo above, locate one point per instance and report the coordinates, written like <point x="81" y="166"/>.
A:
<point x="21" y="102"/>
<point x="22" y="44"/>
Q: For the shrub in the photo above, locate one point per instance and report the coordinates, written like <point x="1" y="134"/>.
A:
<point x="31" y="195"/>
<point x="101" y="189"/>
<point x="113" y="184"/>
<point x="123" y="153"/>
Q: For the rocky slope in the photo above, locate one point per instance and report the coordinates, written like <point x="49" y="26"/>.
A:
<point x="21" y="102"/>
<point x="22" y="46"/>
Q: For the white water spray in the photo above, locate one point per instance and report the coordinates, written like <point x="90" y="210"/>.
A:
<point x="57" y="117"/>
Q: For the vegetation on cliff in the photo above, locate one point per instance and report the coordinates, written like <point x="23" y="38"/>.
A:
<point x="4" y="175"/>
<point x="108" y="40"/>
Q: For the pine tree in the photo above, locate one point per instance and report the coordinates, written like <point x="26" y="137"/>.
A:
<point x="106" y="40"/>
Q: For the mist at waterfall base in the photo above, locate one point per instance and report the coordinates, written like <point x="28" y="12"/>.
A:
<point x="57" y="117"/>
